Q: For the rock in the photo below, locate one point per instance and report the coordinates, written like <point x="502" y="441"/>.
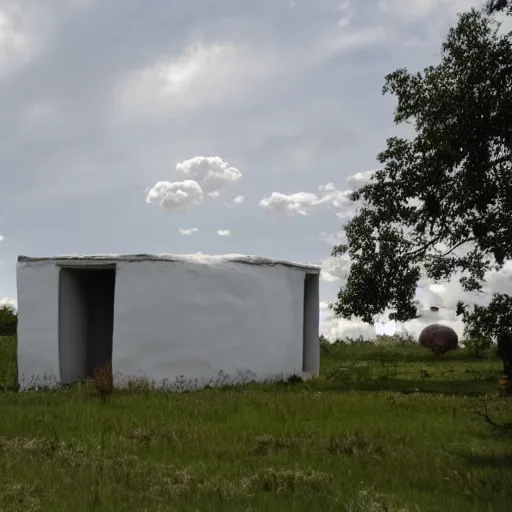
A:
<point x="439" y="338"/>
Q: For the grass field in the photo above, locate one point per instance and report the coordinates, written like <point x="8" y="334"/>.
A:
<point x="384" y="428"/>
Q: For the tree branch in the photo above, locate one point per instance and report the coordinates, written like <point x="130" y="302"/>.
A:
<point x="423" y="248"/>
<point x="470" y="239"/>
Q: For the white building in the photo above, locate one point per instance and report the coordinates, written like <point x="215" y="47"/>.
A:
<point x="166" y="317"/>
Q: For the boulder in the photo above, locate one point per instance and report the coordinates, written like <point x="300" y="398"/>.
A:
<point x="439" y="338"/>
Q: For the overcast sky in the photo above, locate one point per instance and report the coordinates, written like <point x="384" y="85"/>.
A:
<point x="219" y="126"/>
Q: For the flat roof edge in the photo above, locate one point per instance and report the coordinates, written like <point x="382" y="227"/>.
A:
<point x="186" y="258"/>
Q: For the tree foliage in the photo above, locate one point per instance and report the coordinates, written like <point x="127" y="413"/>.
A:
<point x="493" y="6"/>
<point x="442" y="202"/>
<point x="8" y="321"/>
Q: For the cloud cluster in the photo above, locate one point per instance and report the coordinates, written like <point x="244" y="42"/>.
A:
<point x="205" y="175"/>
<point x="338" y="328"/>
<point x="210" y="172"/>
<point x="223" y="232"/>
<point x="188" y="232"/>
<point x="299" y="203"/>
<point x="175" y="195"/>
<point x="302" y="203"/>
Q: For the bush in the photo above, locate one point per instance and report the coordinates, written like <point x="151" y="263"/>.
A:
<point x="477" y="345"/>
<point x="8" y="321"/>
<point x="325" y="346"/>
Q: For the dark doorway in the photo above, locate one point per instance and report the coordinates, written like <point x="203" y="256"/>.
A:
<point x="86" y="321"/>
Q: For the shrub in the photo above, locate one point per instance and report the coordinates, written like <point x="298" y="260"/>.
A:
<point x="8" y="320"/>
<point x="360" y="340"/>
<point x="477" y="345"/>
<point x="325" y="346"/>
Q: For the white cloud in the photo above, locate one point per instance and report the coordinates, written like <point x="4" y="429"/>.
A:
<point x="238" y="200"/>
<point x="301" y="203"/>
<point x="385" y="328"/>
<point x="334" y="328"/>
<point x="360" y="179"/>
<point x="335" y="268"/>
<point x="14" y="40"/>
<point x="332" y="239"/>
<point x="2" y="238"/>
<point x="23" y="33"/>
<point x="188" y="232"/>
<point x="207" y="174"/>
<point x="184" y="77"/>
<point x="175" y="196"/>
<point x="223" y="232"/>
<point x="203" y="74"/>
<point x="335" y="197"/>
<point x="10" y="303"/>
<point x="210" y="172"/>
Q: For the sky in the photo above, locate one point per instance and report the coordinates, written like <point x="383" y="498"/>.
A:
<point x="227" y="126"/>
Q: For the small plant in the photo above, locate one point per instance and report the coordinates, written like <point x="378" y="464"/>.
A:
<point x="103" y="381"/>
<point x="354" y="445"/>
<point x="270" y="445"/>
<point x="368" y="500"/>
<point x="424" y="374"/>
<point x="405" y="338"/>
<point x="360" y="340"/>
<point x="288" y="481"/>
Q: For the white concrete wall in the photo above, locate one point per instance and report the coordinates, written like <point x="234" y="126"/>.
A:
<point x="38" y="316"/>
<point x="177" y="319"/>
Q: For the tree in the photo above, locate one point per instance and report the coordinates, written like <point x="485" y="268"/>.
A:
<point x="8" y="320"/>
<point x="493" y="6"/>
<point x="442" y="202"/>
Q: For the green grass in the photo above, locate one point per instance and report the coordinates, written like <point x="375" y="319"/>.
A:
<point x="358" y="439"/>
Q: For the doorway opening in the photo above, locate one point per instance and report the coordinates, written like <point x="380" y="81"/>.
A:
<point x="86" y="321"/>
<point x="311" y="327"/>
